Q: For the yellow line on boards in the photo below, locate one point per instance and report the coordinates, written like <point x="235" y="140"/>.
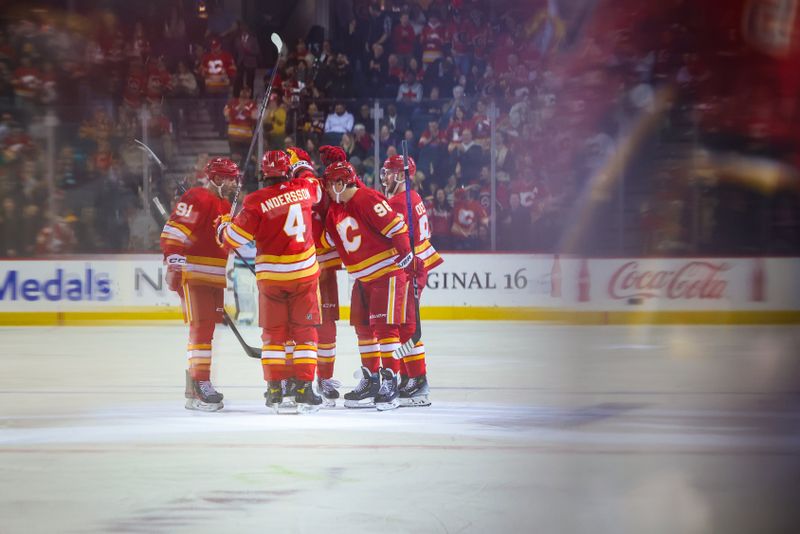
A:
<point x="160" y="313"/>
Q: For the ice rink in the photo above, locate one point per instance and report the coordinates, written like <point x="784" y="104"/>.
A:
<point x="533" y="428"/>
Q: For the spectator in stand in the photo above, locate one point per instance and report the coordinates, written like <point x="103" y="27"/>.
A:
<point x="441" y="74"/>
<point x="440" y="215"/>
<point x="363" y="142"/>
<point x="241" y="114"/>
<point x="468" y="219"/>
<point x="468" y="155"/>
<point x="432" y="151"/>
<point x="337" y="123"/>
<point x="248" y="53"/>
<point x="481" y="125"/>
<point x="460" y="31"/>
<point x="218" y="69"/>
<point x="348" y="144"/>
<point x="458" y="123"/>
<point x="275" y="121"/>
<point x="387" y="140"/>
<point x="433" y="39"/>
<point x="365" y="117"/>
<point x="58" y="237"/>
<point x="394" y="75"/>
<point x="404" y="38"/>
<point x="313" y="123"/>
<point x="341" y="85"/>
<point x="394" y="121"/>
<point x="221" y="24"/>
<point x="378" y="29"/>
<point x="409" y="94"/>
<point x="377" y="72"/>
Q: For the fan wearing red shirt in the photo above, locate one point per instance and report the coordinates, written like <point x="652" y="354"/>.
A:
<point x="218" y="69"/>
<point x="434" y="36"/>
<point x="196" y="271"/>
<point x="278" y="218"/>
<point x="404" y="38"/>
<point x="241" y="114"/>
<point x="468" y="218"/>
<point x="372" y="240"/>
<point x="414" y="389"/>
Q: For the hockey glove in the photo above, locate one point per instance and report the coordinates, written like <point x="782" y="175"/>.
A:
<point x="175" y="265"/>
<point x="224" y="223"/>
<point x="331" y="154"/>
<point x="406" y="261"/>
<point x="416" y="268"/>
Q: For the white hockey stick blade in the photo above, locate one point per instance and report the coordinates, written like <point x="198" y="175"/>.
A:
<point x="152" y="154"/>
<point x="277" y="41"/>
<point x="160" y="207"/>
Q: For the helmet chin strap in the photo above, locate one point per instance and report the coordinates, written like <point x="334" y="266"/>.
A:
<point x="338" y="193"/>
<point x="217" y="188"/>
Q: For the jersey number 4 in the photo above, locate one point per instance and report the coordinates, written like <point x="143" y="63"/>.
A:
<point x="294" y="225"/>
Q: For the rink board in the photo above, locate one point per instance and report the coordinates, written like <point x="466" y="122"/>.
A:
<point x="534" y="287"/>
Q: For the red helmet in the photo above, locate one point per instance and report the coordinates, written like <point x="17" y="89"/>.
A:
<point x="395" y="164"/>
<point x="222" y="167"/>
<point x="340" y="170"/>
<point x="299" y="159"/>
<point x="276" y="164"/>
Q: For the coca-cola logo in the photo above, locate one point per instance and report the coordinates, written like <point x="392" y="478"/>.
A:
<point x="693" y="280"/>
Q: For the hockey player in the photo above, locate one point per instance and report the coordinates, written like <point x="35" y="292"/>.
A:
<point x="372" y="240"/>
<point x="329" y="263"/>
<point x="414" y="388"/>
<point x="196" y="271"/>
<point x="278" y="217"/>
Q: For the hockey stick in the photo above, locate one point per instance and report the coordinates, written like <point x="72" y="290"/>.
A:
<point x="406" y="347"/>
<point x="276" y="40"/>
<point x="182" y="190"/>
<point x="253" y="352"/>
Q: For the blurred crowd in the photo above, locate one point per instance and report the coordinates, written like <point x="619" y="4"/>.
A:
<point x="571" y="86"/>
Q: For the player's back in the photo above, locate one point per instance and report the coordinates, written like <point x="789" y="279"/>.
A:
<point x="283" y="234"/>
<point x="422" y="228"/>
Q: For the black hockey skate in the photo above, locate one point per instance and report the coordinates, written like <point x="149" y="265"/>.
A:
<point x="201" y="395"/>
<point x="288" y="403"/>
<point x="327" y="388"/>
<point x="307" y="400"/>
<point x="363" y="396"/>
<point x="414" y="391"/>
<point x="388" y="394"/>
<point x="274" y="394"/>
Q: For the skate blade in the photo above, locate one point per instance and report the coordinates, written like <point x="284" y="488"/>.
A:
<point x="308" y="408"/>
<point x="415" y="402"/>
<point x="285" y="407"/>
<point x="200" y="406"/>
<point x="328" y="403"/>
<point x="385" y="406"/>
<point x="363" y="403"/>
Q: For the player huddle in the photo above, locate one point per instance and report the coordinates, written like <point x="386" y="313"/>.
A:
<point x="305" y="228"/>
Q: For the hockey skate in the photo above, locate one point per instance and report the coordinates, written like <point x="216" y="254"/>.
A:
<point x="388" y="394"/>
<point x="363" y="396"/>
<point x="274" y="394"/>
<point x="327" y="388"/>
<point x="288" y="404"/>
<point x="201" y="395"/>
<point x="414" y="391"/>
<point x="307" y="400"/>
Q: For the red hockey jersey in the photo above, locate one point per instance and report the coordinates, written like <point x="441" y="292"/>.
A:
<point x="218" y="70"/>
<point x="191" y="232"/>
<point x="423" y="248"/>
<point x="278" y="218"/>
<point x="362" y="230"/>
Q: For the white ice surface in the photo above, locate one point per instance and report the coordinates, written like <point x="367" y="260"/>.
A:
<point x="532" y="429"/>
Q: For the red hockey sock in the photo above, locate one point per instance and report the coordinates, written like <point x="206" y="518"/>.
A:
<point x="415" y="361"/>
<point x="370" y="354"/>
